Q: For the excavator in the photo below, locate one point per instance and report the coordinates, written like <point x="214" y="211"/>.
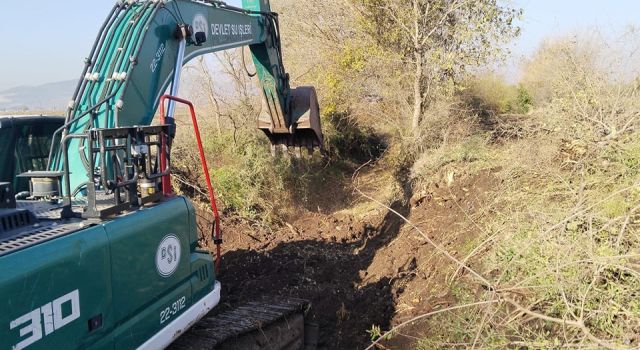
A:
<point x="96" y="250"/>
<point x="25" y="142"/>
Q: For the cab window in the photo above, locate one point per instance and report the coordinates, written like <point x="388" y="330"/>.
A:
<point x="24" y="148"/>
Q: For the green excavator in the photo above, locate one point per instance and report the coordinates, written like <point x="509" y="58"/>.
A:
<point x="25" y="142"/>
<point x="96" y="251"/>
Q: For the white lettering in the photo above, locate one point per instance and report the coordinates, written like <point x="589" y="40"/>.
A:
<point x="34" y="328"/>
<point x="47" y="316"/>
<point x="58" y="319"/>
<point x="172" y="310"/>
<point x="53" y="318"/>
<point x="231" y="29"/>
<point x="157" y="58"/>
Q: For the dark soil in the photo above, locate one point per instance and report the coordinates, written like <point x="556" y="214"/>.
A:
<point x="358" y="272"/>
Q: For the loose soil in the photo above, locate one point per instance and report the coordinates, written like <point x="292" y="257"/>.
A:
<point x="361" y="266"/>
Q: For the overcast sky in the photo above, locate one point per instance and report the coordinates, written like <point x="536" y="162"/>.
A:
<point x="46" y="41"/>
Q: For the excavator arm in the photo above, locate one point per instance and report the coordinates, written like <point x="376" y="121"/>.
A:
<point x="110" y="256"/>
<point x="139" y="53"/>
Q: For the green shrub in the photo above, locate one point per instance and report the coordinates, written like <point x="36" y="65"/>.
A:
<point x="251" y="183"/>
<point x="490" y="94"/>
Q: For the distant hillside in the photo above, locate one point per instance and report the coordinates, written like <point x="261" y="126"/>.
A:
<point x="52" y="96"/>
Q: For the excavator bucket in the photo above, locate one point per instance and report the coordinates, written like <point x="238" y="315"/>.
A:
<point x="305" y="130"/>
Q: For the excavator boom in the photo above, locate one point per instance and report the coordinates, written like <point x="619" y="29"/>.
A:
<point x="98" y="253"/>
<point x="139" y="53"/>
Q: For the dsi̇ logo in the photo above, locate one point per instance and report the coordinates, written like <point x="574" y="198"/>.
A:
<point x="168" y="256"/>
<point x="200" y="24"/>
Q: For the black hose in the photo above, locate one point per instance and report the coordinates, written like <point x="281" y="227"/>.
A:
<point x="244" y="64"/>
<point x="124" y="41"/>
<point x="89" y="62"/>
<point x="101" y="58"/>
<point x="82" y="81"/>
<point x="66" y="125"/>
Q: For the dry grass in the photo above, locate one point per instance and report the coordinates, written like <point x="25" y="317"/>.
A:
<point x="558" y="260"/>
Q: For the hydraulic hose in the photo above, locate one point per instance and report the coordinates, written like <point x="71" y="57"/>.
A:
<point x="104" y="45"/>
<point x="122" y="56"/>
<point x="90" y="59"/>
<point x="107" y="66"/>
<point x="82" y="82"/>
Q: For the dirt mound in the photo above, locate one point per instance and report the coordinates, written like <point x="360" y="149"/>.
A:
<point x="358" y="271"/>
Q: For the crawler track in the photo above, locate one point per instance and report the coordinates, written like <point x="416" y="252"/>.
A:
<point x="270" y="324"/>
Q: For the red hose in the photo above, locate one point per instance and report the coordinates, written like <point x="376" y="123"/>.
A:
<point x="166" y="182"/>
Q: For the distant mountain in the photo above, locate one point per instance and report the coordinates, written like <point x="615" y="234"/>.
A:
<point x="50" y="97"/>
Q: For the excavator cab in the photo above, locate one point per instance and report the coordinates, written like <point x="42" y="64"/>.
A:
<point x="24" y="146"/>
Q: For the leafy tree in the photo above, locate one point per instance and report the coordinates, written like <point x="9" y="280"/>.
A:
<point x="437" y="40"/>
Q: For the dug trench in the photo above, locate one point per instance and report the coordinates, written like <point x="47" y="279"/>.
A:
<point x="363" y="269"/>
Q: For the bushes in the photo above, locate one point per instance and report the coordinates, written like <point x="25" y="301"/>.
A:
<point x="561" y="240"/>
<point x="249" y="182"/>
<point x="589" y="81"/>
<point x="349" y="142"/>
<point x="560" y="245"/>
<point x="491" y="94"/>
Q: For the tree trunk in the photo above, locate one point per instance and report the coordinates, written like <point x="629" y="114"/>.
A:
<point x="214" y="103"/>
<point x="417" y="77"/>
<point x="417" y="95"/>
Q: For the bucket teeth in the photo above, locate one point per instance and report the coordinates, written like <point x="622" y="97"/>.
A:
<point x="293" y="144"/>
<point x="305" y="130"/>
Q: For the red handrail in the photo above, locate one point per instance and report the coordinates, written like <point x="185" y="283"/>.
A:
<point x="166" y="182"/>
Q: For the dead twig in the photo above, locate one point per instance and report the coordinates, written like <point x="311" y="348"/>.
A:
<point x="429" y="314"/>
<point x="578" y="324"/>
